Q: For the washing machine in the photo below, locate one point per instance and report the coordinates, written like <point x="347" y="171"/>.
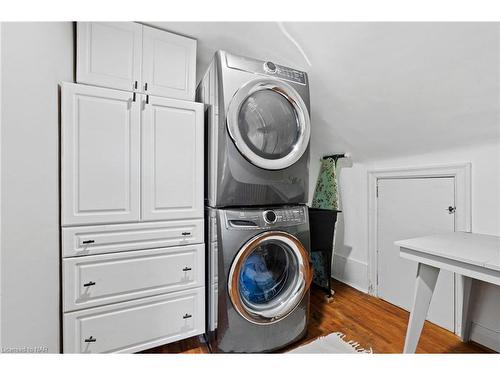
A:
<point x="259" y="275"/>
<point x="257" y="132"/>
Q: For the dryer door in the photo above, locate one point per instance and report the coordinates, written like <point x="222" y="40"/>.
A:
<point x="269" y="123"/>
<point x="269" y="277"/>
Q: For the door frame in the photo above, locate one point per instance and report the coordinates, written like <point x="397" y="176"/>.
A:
<point x="461" y="173"/>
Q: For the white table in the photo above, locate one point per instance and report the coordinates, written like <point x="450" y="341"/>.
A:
<point x="473" y="256"/>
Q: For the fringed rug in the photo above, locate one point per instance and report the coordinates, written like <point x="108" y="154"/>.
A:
<point x="332" y="343"/>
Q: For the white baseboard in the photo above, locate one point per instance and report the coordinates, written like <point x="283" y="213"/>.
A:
<point x="351" y="272"/>
<point x="485" y="336"/>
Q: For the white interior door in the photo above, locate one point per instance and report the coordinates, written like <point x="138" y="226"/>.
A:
<point x="100" y="155"/>
<point x="412" y="207"/>
<point x="109" y="54"/>
<point x="172" y="159"/>
<point x="169" y="64"/>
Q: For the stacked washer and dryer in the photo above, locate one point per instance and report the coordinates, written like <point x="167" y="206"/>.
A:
<point x="257" y="156"/>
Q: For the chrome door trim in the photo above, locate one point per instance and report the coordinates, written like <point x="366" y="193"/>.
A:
<point x="290" y="94"/>
<point x="299" y="289"/>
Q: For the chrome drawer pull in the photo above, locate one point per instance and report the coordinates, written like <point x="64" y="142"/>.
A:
<point x="90" y="283"/>
<point x="90" y="339"/>
<point x="88" y="241"/>
<point x="186" y="233"/>
<point x="186" y="269"/>
<point x="186" y="316"/>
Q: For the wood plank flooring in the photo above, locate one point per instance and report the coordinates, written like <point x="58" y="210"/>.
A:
<point x="370" y="321"/>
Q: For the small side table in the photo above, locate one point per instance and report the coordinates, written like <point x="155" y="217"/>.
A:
<point x="473" y="256"/>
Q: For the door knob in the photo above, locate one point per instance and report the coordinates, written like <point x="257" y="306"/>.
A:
<point x="451" y="209"/>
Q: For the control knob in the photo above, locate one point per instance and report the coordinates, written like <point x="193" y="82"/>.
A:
<point x="270" y="217"/>
<point x="270" y="67"/>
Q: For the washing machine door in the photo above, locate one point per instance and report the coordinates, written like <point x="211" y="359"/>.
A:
<point x="269" y="123"/>
<point x="269" y="277"/>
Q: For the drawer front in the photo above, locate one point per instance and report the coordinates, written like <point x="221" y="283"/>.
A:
<point x="103" y="279"/>
<point x="101" y="239"/>
<point x="135" y="325"/>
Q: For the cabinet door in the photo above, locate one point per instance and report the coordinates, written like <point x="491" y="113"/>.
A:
<point x="169" y="64"/>
<point x="100" y="155"/>
<point x="109" y="54"/>
<point x="172" y="159"/>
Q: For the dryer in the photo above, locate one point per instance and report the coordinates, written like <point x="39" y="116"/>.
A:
<point x="259" y="274"/>
<point x="257" y="135"/>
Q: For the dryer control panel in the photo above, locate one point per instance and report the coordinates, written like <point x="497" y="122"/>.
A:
<point x="267" y="68"/>
<point x="290" y="74"/>
<point x="267" y="218"/>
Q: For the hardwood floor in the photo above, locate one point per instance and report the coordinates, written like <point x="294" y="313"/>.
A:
<point x="370" y="321"/>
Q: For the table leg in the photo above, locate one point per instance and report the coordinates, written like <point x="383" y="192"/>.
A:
<point x="465" y="329"/>
<point x="424" y="287"/>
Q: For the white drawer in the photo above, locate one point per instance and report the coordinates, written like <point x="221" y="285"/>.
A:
<point x="137" y="325"/>
<point x="100" y="239"/>
<point x="103" y="279"/>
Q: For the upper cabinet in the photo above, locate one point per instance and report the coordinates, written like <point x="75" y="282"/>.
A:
<point x="109" y="54"/>
<point x="168" y="64"/>
<point x="130" y="56"/>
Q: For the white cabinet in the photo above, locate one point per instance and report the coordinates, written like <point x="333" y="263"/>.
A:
<point x="100" y="155"/>
<point x="109" y="54"/>
<point x="168" y="64"/>
<point x="172" y="159"/>
<point x="133" y="267"/>
<point x="131" y="56"/>
<point x="101" y="159"/>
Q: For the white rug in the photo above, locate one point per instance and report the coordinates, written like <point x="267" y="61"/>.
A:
<point x="332" y="343"/>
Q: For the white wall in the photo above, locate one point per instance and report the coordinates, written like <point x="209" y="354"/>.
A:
<point x="351" y="245"/>
<point x="35" y="57"/>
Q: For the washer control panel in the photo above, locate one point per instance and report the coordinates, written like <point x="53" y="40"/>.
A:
<point x="270" y="218"/>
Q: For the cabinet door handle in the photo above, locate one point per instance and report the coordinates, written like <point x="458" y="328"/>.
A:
<point x="146" y="86"/>
<point x="135" y="85"/>
<point x="133" y="97"/>
<point x="186" y="233"/>
<point x="186" y="316"/>
<point x="90" y="283"/>
<point x="87" y="242"/>
<point x="147" y="99"/>
<point x="91" y="339"/>
<point x="187" y="269"/>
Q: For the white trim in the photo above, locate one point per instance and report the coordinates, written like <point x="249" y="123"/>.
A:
<point x="462" y="175"/>
<point x="350" y="271"/>
<point x="485" y="336"/>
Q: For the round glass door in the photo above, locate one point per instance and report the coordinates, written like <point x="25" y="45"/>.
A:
<point x="269" y="277"/>
<point x="269" y="123"/>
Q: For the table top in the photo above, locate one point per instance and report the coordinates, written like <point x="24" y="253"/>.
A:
<point x="478" y="249"/>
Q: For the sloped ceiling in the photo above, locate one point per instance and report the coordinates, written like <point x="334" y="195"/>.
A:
<point x="378" y="90"/>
